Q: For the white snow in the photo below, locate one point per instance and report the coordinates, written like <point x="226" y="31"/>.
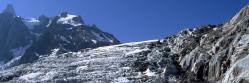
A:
<point x="149" y="73"/>
<point x="31" y="22"/>
<point x="121" y="80"/>
<point x="49" y="75"/>
<point x="54" y="52"/>
<point x="215" y="29"/>
<point x="30" y="76"/>
<point x="241" y="67"/>
<point x="124" y="44"/>
<point x="136" y="51"/>
<point x="69" y="20"/>
<point x="49" y="23"/>
<point x="81" y="68"/>
<point x="126" y="68"/>
<point x="111" y="41"/>
<point x="94" y="41"/>
<point x="139" y="75"/>
<point x="134" y="43"/>
<point x="244" y="39"/>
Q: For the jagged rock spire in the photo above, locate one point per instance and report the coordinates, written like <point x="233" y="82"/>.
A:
<point x="241" y="15"/>
<point x="9" y="9"/>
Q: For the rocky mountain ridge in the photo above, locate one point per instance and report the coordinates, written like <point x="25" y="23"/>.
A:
<point x="26" y="39"/>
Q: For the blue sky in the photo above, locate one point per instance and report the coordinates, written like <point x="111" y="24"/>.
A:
<point x="135" y="20"/>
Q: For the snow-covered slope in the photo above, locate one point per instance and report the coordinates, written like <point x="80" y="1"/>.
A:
<point x="103" y="64"/>
<point x="66" y="18"/>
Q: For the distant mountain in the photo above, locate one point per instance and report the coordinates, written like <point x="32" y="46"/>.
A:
<point x="208" y="54"/>
<point x="29" y="38"/>
<point x="68" y="33"/>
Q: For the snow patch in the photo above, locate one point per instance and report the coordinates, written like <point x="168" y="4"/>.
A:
<point x="49" y="75"/>
<point x="149" y="73"/>
<point x="111" y="41"/>
<point x="135" y="43"/>
<point x="49" y="23"/>
<point x="126" y="68"/>
<point x="69" y="20"/>
<point x="244" y="39"/>
<point x="94" y="41"/>
<point x="121" y="80"/>
<point x="81" y="68"/>
<point x="54" y="52"/>
<point x="31" y="22"/>
<point x="125" y="44"/>
<point x="136" y="51"/>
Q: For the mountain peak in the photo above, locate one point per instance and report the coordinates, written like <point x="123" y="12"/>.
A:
<point x="66" y="18"/>
<point x="9" y="9"/>
<point x="244" y="12"/>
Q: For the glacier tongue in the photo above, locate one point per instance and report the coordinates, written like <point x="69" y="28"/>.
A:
<point x="103" y="64"/>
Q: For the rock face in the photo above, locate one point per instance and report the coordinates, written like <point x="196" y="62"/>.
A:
<point x="15" y="37"/>
<point x="212" y="53"/>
